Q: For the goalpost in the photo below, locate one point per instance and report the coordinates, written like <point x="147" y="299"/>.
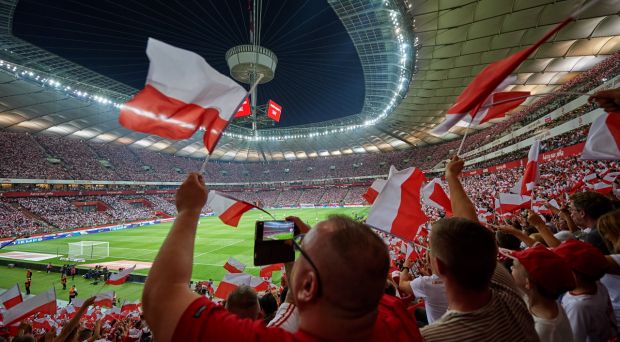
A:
<point x="89" y="250"/>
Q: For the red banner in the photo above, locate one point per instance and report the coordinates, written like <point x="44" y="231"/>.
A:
<point x="560" y="153"/>
<point x="274" y="110"/>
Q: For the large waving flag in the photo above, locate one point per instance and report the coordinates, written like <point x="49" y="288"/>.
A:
<point x="182" y="93"/>
<point x="44" y="303"/>
<point x="603" y="141"/>
<point x="371" y="194"/>
<point x="234" y="266"/>
<point x="512" y="202"/>
<point x="120" y="277"/>
<point x="11" y="297"/>
<point x="105" y="299"/>
<point x="526" y="184"/>
<point x="496" y="106"/>
<point x="434" y="195"/>
<point x="487" y="81"/>
<point x="228" y="208"/>
<point x="397" y="210"/>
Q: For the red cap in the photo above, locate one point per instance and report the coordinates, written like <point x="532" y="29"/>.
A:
<point x="582" y="257"/>
<point x="545" y="268"/>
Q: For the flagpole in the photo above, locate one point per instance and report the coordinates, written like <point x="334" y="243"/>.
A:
<point x="458" y="152"/>
<point x="203" y="167"/>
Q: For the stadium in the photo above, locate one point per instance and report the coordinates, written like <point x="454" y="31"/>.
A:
<point x="338" y="96"/>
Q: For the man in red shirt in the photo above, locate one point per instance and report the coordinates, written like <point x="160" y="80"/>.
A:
<point x="337" y="285"/>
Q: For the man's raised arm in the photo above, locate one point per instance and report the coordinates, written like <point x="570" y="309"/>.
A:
<point x="462" y="206"/>
<point x="166" y="292"/>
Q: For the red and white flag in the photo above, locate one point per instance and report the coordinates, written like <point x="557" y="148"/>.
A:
<point x="227" y="208"/>
<point x="274" y="111"/>
<point x="601" y="187"/>
<point x="590" y="178"/>
<point x="120" y="277"/>
<point x="603" y="141"/>
<point x="234" y="266"/>
<point x="44" y="303"/>
<point x="526" y="184"/>
<point x="182" y="94"/>
<point x="488" y="81"/>
<point x="259" y="284"/>
<point x="105" y="299"/>
<point x="267" y="271"/>
<point x="435" y="196"/>
<point x="371" y="194"/>
<point x="11" y="297"/>
<point x="496" y="107"/>
<point x="131" y="306"/>
<point x="512" y="202"/>
<point x="244" y="110"/>
<point x="397" y="209"/>
<point x="230" y="282"/>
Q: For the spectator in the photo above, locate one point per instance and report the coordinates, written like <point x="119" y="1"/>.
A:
<point x="585" y="209"/>
<point x="73" y="293"/>
<point x="480" y="292"/>
<point x="609" y="227"/>
<point x="427" y="287"/>
<point x="327" y="309"/>
<point x="243" y="302"/>
<point x="543" y="277"/>
<point x="588" y="306"/>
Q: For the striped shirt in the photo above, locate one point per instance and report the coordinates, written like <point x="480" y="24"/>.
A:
<point x="287" y="318"/>
<point x="504" y="318"/>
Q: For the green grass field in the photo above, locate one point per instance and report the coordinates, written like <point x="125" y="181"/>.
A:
<point x="215" y="243"/>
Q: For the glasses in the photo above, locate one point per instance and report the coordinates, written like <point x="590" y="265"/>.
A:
<point x="297" y="240"/>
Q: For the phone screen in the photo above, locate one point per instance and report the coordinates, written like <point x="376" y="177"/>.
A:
<point x="278" y="230"/>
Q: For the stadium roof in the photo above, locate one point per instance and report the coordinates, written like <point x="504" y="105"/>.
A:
<point x="455" y="40"/>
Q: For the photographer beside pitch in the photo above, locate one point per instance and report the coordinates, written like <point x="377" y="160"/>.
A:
<point x="344" y="303"/>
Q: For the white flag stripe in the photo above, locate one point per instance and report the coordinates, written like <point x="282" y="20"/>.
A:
<point x="193" y="80"/>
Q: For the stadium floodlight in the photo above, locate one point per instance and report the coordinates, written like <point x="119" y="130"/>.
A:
<point x="89" y="250"/>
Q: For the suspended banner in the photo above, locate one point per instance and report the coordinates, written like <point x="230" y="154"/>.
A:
<point x="245" y="109"/>
<point x="274" y="111"/>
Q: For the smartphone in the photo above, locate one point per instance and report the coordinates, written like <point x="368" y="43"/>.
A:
<point x="273" y="242"/>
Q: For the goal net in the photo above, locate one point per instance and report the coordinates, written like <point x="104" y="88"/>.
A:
<point x="89" y="250"/>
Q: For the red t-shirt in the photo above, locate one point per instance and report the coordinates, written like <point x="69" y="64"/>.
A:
<point x="205" y="321"/>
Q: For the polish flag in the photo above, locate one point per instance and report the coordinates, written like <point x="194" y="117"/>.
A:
<point x="539" y="207"/>
<point x="512" y="202"/>
<point x="234" y="266"/>
<point x="230" y="282"/>
<point x="397" y="209"/>
<point x="496" y="107"/>
<point x="104" y="299"/>
<point x="487" y="81"/>
<point x="434" y="195"/>
<point x="182" y="94"/>
<point x="601" y="187"/>
<point x="603" y="141"/>
<point x="371" y="194"/>
<point x="274" y="111"/>
<point x="227" y="208"/>
<point x="44" y="303"/>
<point x="590" y="178"/>
<point x="11" y="297"/>
<point x="484" y="216"/>
<point x="244" y="110"/>
<point x="259" y="284"/>
<point x="610" y="177"/>
<point x="410" y="253"/>
<point x="131" y="306"/>
<point x="266" y="271"/>
<point x="526" y="184"/>
<point x="120" y="277"/>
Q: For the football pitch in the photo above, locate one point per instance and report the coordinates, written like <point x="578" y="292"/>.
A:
<point x="215" y="243"/>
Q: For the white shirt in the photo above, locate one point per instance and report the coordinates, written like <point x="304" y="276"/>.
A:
<point x="556" y="329"/>
<point x="591" y="316"/>
<point x="612" y="283"/>
<point x="433" y="291"/>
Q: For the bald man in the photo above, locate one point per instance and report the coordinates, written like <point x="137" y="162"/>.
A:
<point x="336" y="283"/>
